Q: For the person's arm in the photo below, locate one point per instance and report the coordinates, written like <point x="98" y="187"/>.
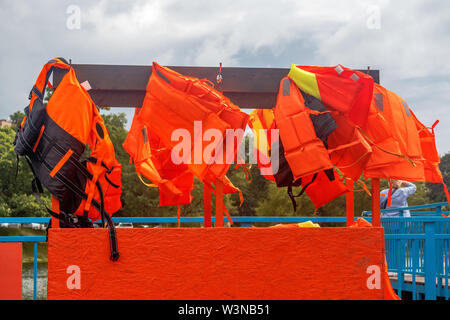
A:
<point x="410" y="189"/>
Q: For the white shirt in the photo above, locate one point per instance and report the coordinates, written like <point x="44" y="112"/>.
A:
<point x="398" y="199"/>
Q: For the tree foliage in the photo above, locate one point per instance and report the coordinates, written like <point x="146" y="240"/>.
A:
<point x="16" y="197"/>
<point x="436" y="190"/>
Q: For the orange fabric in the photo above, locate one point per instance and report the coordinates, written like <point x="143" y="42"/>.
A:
<point x="39" y="138"/>
<point x="396" y="143"/>
<point x="349" y="151"/>
<point x="55" y="208"/>
<point x="61" y="163"/>
<point x="267" y="122"/>
<point x="377" y="134"/>
<point x="42" y="80"/>
<point x="174" y="101"/>
<point x="111" y="194"/>
<point x="262" y="122"/>
<point x="152" y="160"/>
<point x="315" y="190"/>
<point x="389" y="293"/>
<point x="304" y="152"/>
<point x="80" y="122"/>
<point x="189" y="263"/>
<point x="431" y="157"/>
<point x="342" y="91"/>
<point x="73" y="110"/>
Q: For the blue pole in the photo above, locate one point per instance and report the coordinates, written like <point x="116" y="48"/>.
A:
<point x="35" y="272"/>
<point x="430" y="261"/>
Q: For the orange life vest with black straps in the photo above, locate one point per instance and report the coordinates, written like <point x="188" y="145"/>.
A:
<point x="53" y="136"/>
<point x="304" y="151"/>
<point x="306" y="154"/>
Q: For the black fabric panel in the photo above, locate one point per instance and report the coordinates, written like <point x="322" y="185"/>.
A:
<point x="29" y="134"/>
<point x="54" y="144"/>
<point x="284" y="176"/>
<point x="324" y="124"/>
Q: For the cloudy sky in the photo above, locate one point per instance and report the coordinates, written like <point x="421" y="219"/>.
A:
<point x="408" y="41"/>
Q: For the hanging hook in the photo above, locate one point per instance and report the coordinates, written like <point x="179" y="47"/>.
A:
<point x="219" y="77"/>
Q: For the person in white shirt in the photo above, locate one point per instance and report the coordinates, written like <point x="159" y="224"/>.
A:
<point x="401" y="191"/>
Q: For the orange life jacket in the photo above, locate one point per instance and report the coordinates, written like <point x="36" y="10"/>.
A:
<point x="261" y="121"/>
<point x="347" y="94"/>
<point x="378" y="119"/>
<point x="152" y="160"/>
<point x="349" y="151"/>
<point x="304" y="151"/>
<point x="53" y="136"/>
<point x="430" y="155"/>
<point x="392" y="130"/>
<point x="174" y="101"/>
<point x="295" y="119"/>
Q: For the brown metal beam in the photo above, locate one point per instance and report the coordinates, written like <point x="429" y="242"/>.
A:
<point x="124" y="86"/>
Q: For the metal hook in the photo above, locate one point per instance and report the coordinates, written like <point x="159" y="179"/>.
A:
<point x="219" y="77"/>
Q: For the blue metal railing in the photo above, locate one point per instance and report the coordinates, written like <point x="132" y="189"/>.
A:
<point x="416" y="210"/>
<point x="415" y="247"/>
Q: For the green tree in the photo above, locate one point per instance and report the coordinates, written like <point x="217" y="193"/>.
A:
<point x="16" y="118"/>
<point x="435" y="190"/>
<point x="16" y="197"/>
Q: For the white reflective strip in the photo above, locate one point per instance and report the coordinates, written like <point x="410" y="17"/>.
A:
<point x="86" y="85"/>
<point x="354" y="77"/>
<point x="339" y="69"/>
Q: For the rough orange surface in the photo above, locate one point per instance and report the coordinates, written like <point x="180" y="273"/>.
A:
<point x="217" y="263"/>
<point x="10" y="271"/>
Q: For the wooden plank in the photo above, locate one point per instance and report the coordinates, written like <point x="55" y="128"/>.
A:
<point x="124" y="85"/>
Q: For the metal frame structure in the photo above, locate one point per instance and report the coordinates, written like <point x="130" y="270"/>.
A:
<point x="249" y="88"/>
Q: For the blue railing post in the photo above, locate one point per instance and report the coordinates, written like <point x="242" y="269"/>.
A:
<point x="430" y="260"/>
<point x="35" y="272"/>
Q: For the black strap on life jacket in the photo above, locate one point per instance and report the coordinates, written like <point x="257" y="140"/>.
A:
<point x="330" y="175"/>
<point x="292" y="196"/>
<point x="70" y="220"/>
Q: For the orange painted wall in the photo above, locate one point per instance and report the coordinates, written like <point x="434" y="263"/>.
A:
<point x="10" y="271"/>
<point x="216" y="263"/>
